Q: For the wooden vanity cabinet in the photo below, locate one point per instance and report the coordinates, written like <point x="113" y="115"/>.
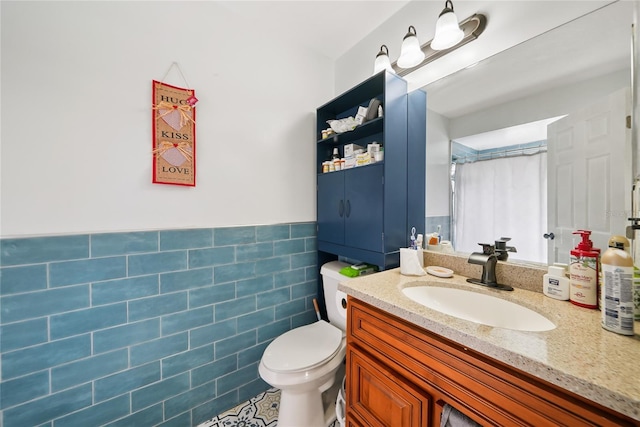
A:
<point x="399" y="374"/>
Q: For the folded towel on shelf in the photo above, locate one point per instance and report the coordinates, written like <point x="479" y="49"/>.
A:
<point x="451" y="417"/>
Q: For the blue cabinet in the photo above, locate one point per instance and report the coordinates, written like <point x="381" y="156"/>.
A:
<point x="365" y="213"/>
<point x="350" y="208"/>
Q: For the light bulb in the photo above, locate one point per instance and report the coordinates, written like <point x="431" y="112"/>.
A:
<point x="448" y="32"/>
<point x="382" y="61"/>
<point x="410" y="53"/>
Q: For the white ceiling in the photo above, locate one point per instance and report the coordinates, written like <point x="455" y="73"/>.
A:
<point x="328" y="27"/>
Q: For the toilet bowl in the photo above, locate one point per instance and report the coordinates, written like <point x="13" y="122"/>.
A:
<point x="304" y="362"/>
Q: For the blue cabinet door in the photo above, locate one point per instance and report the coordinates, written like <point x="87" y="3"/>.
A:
<point x="331" y="207"/>
<point x="364" y="207"/>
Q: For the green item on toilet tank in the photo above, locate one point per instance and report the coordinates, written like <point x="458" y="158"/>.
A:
<point x="358" y="270"/>
<point x="349" y="272"/>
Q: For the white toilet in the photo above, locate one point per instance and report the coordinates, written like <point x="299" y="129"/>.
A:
<point x="304" y="362"/>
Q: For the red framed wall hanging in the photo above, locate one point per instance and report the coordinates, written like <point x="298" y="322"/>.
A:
<point x="174" y="135"/>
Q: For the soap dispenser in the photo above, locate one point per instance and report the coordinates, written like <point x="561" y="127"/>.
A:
<point x="584" y="272"/>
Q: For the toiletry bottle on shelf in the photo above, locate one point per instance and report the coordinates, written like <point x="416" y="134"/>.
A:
<point x="555" y="283"/>
<point x="584" y="272"/>
<point x="335" y="155"/>
<point x="419" y="243"/>
<point x="617" y="287"/>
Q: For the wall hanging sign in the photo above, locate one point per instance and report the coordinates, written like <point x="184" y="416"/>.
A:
<point x="174" y="134"/>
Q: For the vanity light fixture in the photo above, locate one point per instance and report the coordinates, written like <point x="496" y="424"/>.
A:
<point x="471" y="29"/>
<point x="410" y="53"/>
<point x="448" y="32"/>
<point x="382" y="61"/>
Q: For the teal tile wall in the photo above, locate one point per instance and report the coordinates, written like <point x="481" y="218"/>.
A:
<point x="146" y="328"/>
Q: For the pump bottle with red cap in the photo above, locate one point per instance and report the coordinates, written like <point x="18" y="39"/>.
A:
<point x="584" y="272"/>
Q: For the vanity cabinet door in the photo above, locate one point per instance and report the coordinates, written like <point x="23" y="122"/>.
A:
<point x="382" y="398"/>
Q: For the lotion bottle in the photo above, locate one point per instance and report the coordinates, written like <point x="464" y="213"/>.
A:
<point x="555" y="283"/>
<point x="617" y="287"/>
<point x="584" y="272"/>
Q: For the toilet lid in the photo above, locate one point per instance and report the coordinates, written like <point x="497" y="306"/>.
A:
<point x="303" y="347"/>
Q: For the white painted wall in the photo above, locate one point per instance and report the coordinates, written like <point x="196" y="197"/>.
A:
<point x="76" y="118"/>
<point x="76" y="135"/>
<point x="508" y="23"/>
<point x="438" y="165"/>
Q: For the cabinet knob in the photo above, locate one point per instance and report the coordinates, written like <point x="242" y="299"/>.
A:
<point x="348" y="208"/>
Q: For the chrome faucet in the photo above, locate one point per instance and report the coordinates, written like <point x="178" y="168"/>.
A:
<point x="488" y="260"/>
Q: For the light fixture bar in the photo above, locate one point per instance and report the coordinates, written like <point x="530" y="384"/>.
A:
<point x="472" y="28"/>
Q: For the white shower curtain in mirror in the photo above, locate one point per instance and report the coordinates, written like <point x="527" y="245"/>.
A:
<point x="504" y="197"/>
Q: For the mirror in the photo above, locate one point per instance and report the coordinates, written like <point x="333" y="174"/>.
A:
<point x="549" y="76"/>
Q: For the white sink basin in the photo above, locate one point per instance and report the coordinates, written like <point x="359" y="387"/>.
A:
<point x="479" y="308"/>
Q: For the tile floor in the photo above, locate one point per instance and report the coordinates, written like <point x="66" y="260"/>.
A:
<point x="260" y="411"/>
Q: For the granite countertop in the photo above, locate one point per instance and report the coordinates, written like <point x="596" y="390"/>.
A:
<point x="578" y="355"/>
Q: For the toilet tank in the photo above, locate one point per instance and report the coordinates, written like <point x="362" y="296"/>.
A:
<point x="330" y="273"/>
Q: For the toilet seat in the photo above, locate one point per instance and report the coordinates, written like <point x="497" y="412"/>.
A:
<point x="303" y="348"/>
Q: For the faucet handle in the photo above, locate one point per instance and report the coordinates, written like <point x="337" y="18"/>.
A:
<point x="487" y="248"/>
<point x="501" y="245"/>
